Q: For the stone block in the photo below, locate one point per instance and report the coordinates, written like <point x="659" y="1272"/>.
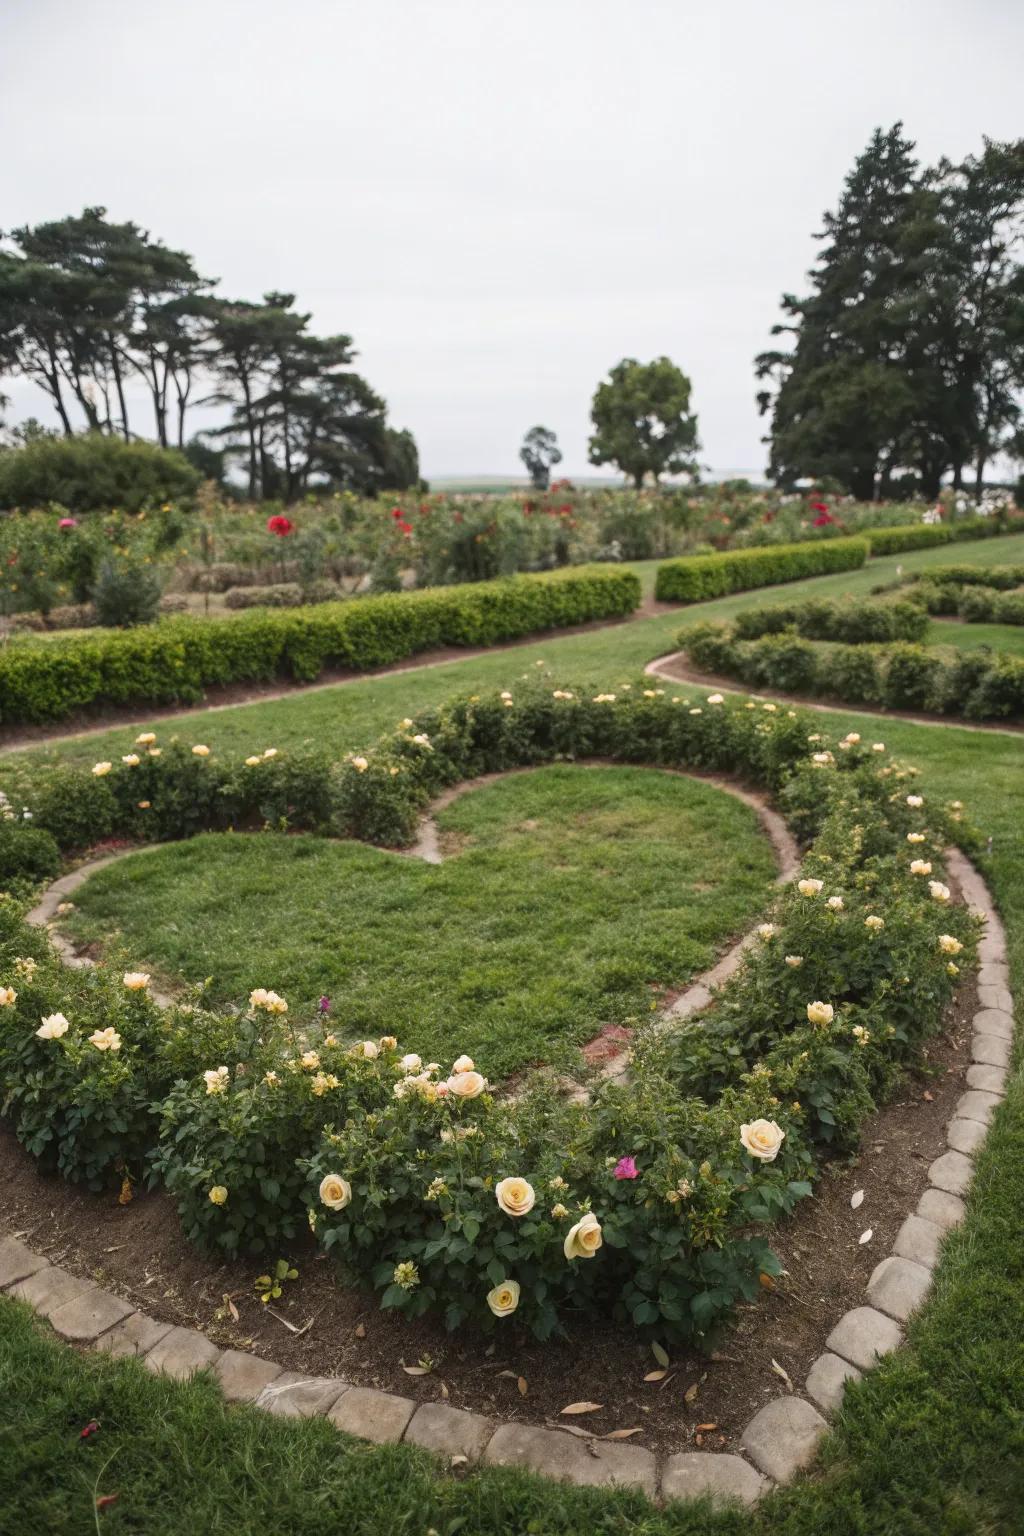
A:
<point x="17" y="1262"/>
<point x="992" y="1050"/>
<point x="919" y="1241"/>
<point x="965" y="1136"/>
<point x="995" y="997"/>
<point x="137" y="1335"/>
<point x="449" y="1431"/>
<point x="378" y="1416"/>
<point x="709" y="1474"/>
<point x="951" y="1172"/>
<point x="85" y="1317"/>
<point x="898" y="1286"/>
<point x="588" y="1464"/>
<point x="826" y="1381"/>
<point x="944" y="1209"/>
<point x="994" y="973"/>
<point x="863" y="1335"/>
<point x="181" y="1352"/>
<point x="988" y="1079"/>
<point x="50" y="1288"/>
<point x="296" y="1396"/>
<point x="243" y="1376"/>
<point x="783" y="1436"/>
<point x="994" y="1021"/>
<point x="975" y="1105"/>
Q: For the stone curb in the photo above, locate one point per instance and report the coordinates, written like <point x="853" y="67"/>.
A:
<point x="780" y="1439"/>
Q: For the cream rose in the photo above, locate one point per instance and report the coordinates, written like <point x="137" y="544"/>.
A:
<point x="949" y="945"/>
<point x="360" y="764"/>
<point x="515" y="1196"/>
<point x="584" y="1239"/>
<point x="335" y="1192"/>
<point x="219" y="1194"/>
<point x="762" y="1139"/>
<point x="920" y="867"/>
<point x="52" y="1027"/>
<point x="216" y="1080"/>
<point x="131" y="760"/>
<point x="200" y="751"/>
<point x="504" y="1299"/>
<point x="463" y="1064"/>
<point x="146" y="739"/>
<point x="105" y="1040"/>
<point x="915" y="801"/>
<point x="820" y="1013"/>
<point x="794" y="961"/>
<point x="100" y="769"/>
<point x="465" y="1085"/>
<point x="939" y="891"/>
<point x="809" y="887"/>
<point x="873" y="922"/>
<point x="411" y="1063"/>
<point x="253" y="762"/>
<point x="8" y="997"/>
<point x="136" y="981"/>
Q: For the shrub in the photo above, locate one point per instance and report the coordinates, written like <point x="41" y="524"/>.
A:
<point x="127" y="592"/>
<point x="280" y="594"/>
<point x="703" y="576"/>
<point x="173" y="660"/>
<point x="27" y="852"/>
<point x="894" y="541"/>
<point x="850" y="621"/>
<point x="93" y="473"/>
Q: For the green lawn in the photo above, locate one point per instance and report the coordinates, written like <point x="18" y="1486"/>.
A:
<point x="572" y="890"/>
<point x="930" y="1444"/>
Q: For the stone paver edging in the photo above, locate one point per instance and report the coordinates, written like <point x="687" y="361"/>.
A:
<point x="779" y="1440"/>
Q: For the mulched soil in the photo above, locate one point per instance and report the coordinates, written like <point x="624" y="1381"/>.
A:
<point x="91" y="723"/>
<point x="138" y="1251"/>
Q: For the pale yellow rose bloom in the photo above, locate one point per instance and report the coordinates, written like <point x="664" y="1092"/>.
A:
<point x="820" y="1013"/>
<point x="219" y="1194"/>
<point x="463" y="1064"/>
<point x="8" y="997"/>
<point x="52" y="1027"/>
<point x="504" y="1299"/>
<point x="335" y="1192"/>
<point x="200" y="751"/>
<point x="146" y="739"/>
<point x="136" y="981"/>
<point x="515" y="1196"/>
<point x="809" y="887"/>
<point x="100" y="769"/>
<point x="584" y="1238"/>
<point x="762" y="1139"/>
<point x="105" y="1040"/>
<point x="466" y="1085"/>
<point x="949" y="945"/>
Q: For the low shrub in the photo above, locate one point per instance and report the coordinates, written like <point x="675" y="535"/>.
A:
<point x="174" y="660"/>
<point x="895" y="541"/>
<point x="700" y="577"/>
<point x="127" y="592"/>
<point x="27" y="853"/>
<point x="852" y="621"/>
<point x="978" y="685"/>
<point x="94" y="472"/>
<point x="279" y="594"/>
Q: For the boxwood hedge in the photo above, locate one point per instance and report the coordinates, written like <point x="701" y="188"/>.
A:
<point x="698" y="577"/>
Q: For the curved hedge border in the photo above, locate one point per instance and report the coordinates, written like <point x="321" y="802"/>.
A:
<point x="979" y="594"/>
<point x="855" y="622"/>
<point x="174" y="660"/>
<point x="435" y="1192"/>
<point x="894" y="541"/>
<point x="977" y="685"/>
<point x="697" y="577"/>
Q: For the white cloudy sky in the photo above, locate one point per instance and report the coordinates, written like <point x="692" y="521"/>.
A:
<point x="497" y="200"/>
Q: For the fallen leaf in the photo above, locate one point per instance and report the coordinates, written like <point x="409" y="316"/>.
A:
<point x="705" y="1428"/>
<point x="416" y="1370"/>
<point x="866" y="1237"/>
<point x="655" y="1375"/>
<point x="444" y="1389"/>
<point x="458" y="1460"/>
<point x="856" y="1199"/>
<point x="766" y="1282"/>
<point x="622" y="1434"/>
<point x="722" y="1359"/>
<point x="509" y="1375"/>
<point x="106" y="1499"/>
<point x="523" y="1385"/>
<point x="360" y="1330"/>
<point x="928" y="1097"/>
<point x="583" y="1408"/>
<point x="660" y="1354"/>
<point x="571" y="1429"/>
<point x="780" y="1371"/>
<point x="690" y="1395"/>
<point x="230" y="1307"/>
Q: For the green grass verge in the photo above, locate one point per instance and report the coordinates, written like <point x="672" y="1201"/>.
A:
<point x="575" y="889"/>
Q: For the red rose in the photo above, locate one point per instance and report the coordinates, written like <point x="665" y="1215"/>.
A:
<point x="282" y="526"/>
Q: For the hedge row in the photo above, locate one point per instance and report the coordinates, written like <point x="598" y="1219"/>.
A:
<point x="172" y="662"/>
<point x="894" y="541"/>
<point x="642" y="1205"/>
<point x="978" y="684"/>
<point x="821" y="618"/>
<point x="698" y="577"/>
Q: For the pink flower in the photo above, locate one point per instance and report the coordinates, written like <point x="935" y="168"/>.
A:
<point x="68" y="522"/>
<point x="626" y="1168"/>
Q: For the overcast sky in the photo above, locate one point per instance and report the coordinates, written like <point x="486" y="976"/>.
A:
<point x="496" y="200"/>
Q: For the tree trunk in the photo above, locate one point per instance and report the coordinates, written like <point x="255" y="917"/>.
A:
<point x="958" y="475"/>
<point x="115" y="365"/>
<point x="979" y="473"/>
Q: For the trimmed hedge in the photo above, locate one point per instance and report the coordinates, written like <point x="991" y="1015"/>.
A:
<point x="855" y="622"/>
<point x="893" y="541"/>
<point x="699" y="577"/>
<point x="979" y="685"/>
<point x="173" y="661"/>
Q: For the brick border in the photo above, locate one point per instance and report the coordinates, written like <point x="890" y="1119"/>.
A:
<point x="781" y="1438"/>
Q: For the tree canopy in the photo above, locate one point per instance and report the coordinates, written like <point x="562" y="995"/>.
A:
<point x="642" y="421"/>
<point x="540" y="453"/>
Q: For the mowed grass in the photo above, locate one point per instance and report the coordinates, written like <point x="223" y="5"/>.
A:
<point x="930" y="1444"/>
<point x="568" y="892"/>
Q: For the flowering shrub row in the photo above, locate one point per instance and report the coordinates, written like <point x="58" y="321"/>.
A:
<point x="978" y="684"/>
<point x="854" y="622"/>
<point x="700" y="577"/>
<point x="173" y="661"/>
<point x="644" y="1204"/>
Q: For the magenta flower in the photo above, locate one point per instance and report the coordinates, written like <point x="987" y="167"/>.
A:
<point x="68" y="522"/>
<point x="324" y="1005"/>
<point x="626" y="1169"/>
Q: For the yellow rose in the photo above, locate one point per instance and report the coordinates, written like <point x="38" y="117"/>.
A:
<point x="914" y="801"/>
<point x="794" y="961"/>
<point x="515" y="1196"/>
<point x="762" y="1139"/>
<point x="584" y="1239"/>
<point x="270" y="752"/>
<point x="136" y="981"/>
<point x="8" y="997"/>
<point x="335" y="1192"/>
<point x="146" y="739"/>
<point x="504" y="1299"/>
<point x="920" y="867"/>
<point x="360" y="764"/>
<point x="253" y="762"/>
<point x="100" y="769"/>
<point x="105" y="1040"/>
<point x="949" y="945"/>
<point x="52" y="1027"/>
<point x="466" y="1085"/>
<point x="463" y="1064"/>
<point x="144" y="805"/>
<point x="219" y="1194"/>
<point x="809" y="887"/>
<point x="131" y="760"/>
<point x="874" y="922"/>
<point x="200" y="751"/>
<point x="820" y="1013"/>
<point x="216" y="1080"/>
<point x="939" y="891"/>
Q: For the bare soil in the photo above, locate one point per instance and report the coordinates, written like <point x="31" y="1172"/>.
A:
<point x="137" y="1250"/>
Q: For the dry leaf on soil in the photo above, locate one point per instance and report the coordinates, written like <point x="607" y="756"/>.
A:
<point x="856" y="1199"/>
<point x="583" y="1408"/>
